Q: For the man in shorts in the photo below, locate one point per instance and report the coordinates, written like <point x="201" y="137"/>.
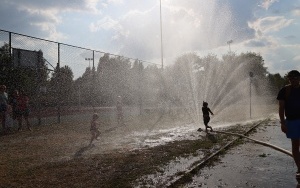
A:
<point x="289" y="114"/>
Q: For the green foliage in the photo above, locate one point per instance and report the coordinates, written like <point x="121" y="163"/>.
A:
<point x="5" y="65"/>
<point x="276" y="82"/>
<point x="176" y="85"/>
<point x="60" y="86"/>
<point x="140" y="85"/>
<point x="192" y="79"/>
<point x="19" y="77"/>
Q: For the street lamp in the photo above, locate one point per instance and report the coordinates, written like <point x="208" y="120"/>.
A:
<point x="89" y="59"/>
<point x="229" y="42"/>
<point x="250" y="76"/>
<point x="161" y="39"/>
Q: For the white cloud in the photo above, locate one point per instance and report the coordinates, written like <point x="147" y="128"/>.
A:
<point x="186" y="27"/>
<point x="257" y="43"/>
<point x="117" y="2"/>
<point x="266" y="25"/>
<point x="132" y="28"/>
<point x="106" y="23"/>
<point x="296" y="12"/>
<point x="297" y="58"/>
<point x="282" y="58"/>
<point x="266" y="4"/>
<point x="92" y="6"/>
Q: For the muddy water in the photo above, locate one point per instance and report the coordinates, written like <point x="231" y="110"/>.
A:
<point x="144" y="137"/>
<point x="252" y="165"/>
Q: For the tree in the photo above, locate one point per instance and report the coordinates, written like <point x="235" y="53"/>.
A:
<point x="276" y="82"/>
<point x="21" y="77"/>
<point x="61" y="84"/>
<point x="5" y="65"/>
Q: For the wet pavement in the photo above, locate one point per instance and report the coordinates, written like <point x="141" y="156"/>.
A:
<point x="252" y="165"/>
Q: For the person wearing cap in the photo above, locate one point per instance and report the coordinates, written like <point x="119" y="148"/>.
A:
<point x="289" y="114"/>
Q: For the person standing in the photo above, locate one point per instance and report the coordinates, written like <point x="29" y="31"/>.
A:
<point x="22" y="110"/>
<point x="119" y="106"/>
<point x="289" y="114"/>
<point x="13" y="103"/>
<point x="94" y="129"/>
<point x="3" y="106"/>
<point x="206" y="117"/>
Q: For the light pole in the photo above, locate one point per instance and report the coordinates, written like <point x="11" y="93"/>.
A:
<point x="250" y="77"/>
<point x="229" y="42"/>
<point x="89" y="59"/>
<point x="79" y="95"/>
<point x="161" y="39"/>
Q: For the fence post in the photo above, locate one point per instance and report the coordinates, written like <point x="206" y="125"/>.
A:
<point x="9" y="43"/>
<point x="140" y="86"/>
<point x="93" y="82"/>
<point x="59" y="85"/>
<point x="38" y="72"/>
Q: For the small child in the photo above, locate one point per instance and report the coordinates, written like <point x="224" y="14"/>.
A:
<point x="94" y="129"/>
<point x="206" y="118"/>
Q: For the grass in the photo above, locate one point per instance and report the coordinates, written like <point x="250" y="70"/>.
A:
<point x="45" y="157"/>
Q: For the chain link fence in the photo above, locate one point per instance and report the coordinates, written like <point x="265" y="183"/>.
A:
<point x="66" y="82"/>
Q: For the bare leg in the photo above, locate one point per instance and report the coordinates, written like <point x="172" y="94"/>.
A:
<point x="296" y="153"/>
<point x="27" y="122"/>
<point x="20" y="122"/>
<point x="97" y="135"/>
<point x="92" y="138"/>
<point x="120" y="118"/>
<point x="206" y="121"/>
<point x="207" y="127"/>
<point x="2" y="116"/>
<point x="210" y="128"/>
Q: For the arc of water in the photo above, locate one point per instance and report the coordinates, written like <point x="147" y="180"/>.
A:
<point x="193" y="89"/>
<point x="186" y="91"/>
<point x="222" y="91"/>
<point x="230" y="98"/>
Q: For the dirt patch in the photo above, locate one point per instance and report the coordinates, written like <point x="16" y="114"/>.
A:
<point x="58" y="155"/>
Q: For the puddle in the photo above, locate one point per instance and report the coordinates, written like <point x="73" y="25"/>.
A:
<point x="252" y="165"/>
<point x="166" y="173"/>
<point x="129" y="139"/>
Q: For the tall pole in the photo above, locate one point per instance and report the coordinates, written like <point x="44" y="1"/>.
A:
<point x="229" y="42"/>
<point x="161" y="39"/>
<point x="59" y="84"/>
<point x="250" y="98"/>
<point x="250" y="77"/>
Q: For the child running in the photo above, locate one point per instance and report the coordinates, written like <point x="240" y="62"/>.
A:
<point x="94" y="129"/>
<point x="206" y="118"/>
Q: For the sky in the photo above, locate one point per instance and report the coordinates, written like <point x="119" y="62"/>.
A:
<point x="131" y="28"/>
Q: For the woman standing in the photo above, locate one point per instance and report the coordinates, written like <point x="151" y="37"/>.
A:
<point x="3" y="105"/>
<point x="22" y="110"/>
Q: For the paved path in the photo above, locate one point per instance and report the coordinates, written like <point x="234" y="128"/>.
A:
<point x="252" y="165"/>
